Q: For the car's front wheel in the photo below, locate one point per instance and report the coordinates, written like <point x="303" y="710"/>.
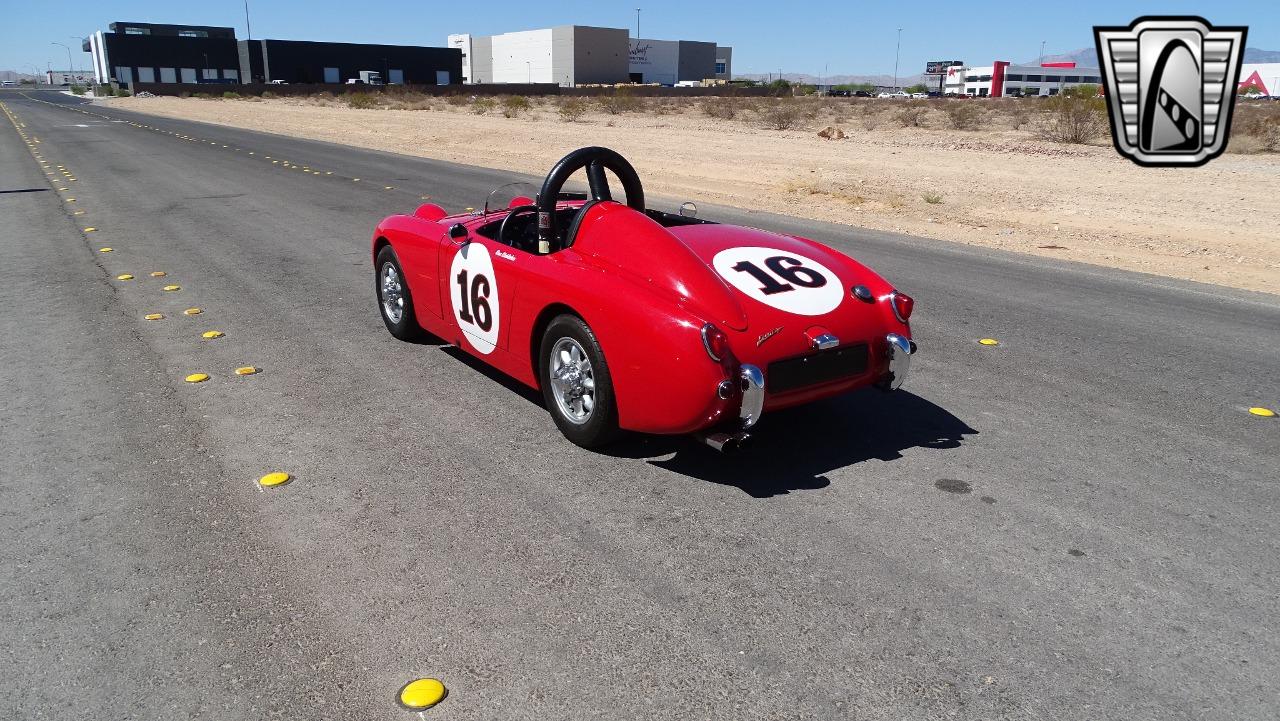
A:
<point x="394" y="301"/>
<point x="576" y="384"/>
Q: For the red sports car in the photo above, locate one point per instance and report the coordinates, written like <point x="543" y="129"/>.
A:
<point x="631" y="318"/>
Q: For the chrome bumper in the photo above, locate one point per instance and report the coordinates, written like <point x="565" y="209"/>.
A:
<point x="900" y="352"/>
<point x="751" y="382"/>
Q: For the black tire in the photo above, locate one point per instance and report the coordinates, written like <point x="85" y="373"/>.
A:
<point x="406" y="328"/>
<point x="601" y="427"/>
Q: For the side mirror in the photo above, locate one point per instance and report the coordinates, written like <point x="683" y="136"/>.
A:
<point x="458" y="233"/>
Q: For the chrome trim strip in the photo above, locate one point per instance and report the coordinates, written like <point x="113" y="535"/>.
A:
<point x="706" y="344"/>
<point x="900" y="352"/>
<point x="825" y="341"/>
<point x="752" y="395"/>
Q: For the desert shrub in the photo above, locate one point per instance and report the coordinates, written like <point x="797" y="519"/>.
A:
<point x="455" y="99"/>
<point x="481" y="106"/>
<point x="231" y="95"/>
<point x="932" y="198"/>
<point x="1076" y="115"/>
<point x="963" y="114"/>
<point x="781" y="114"/>
<point x="621" y="100"/>
<point x="1255" y="129"/>
<point x="184" y="94"/>
<point x="122" y="93"/>
<point x="202" y="96"/>
<point x="912" y="113"/>
<point x="77" y="90"/>
<point x="571" y="109"/>
<point x="722" y="107"/>
<point x="267" y="95"/>
<point x="870" y="120"/>
<point x="513" y="105"/>
<point x="361" y="101"/>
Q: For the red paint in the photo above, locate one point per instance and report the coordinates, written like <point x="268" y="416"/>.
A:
<point x="1057" y="65"/>
<point x="646" y="291"/>
<point x="997" y="79"/>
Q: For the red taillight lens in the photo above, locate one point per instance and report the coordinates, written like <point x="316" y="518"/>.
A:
<point x="715" y="341"/>
<point x="903" y="304"/>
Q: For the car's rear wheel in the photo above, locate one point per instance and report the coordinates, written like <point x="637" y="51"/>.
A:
<point x="394" y="301"/>
<point x="576" y="384"/>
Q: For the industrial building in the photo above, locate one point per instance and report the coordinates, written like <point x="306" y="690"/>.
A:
<point x="151" y="53"/>
<point x="570" y="55"/>
<point x="1263" y="78"/>
<point x="1003" y="79"/>
<point x="68" y="77"/>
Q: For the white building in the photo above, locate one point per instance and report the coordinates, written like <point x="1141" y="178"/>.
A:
<point x="1006" y="79"/>
<point x="667" y="62"/>
<point x="567" y="55"/>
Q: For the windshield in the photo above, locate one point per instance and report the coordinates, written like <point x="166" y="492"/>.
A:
<point x="501" y="197"/>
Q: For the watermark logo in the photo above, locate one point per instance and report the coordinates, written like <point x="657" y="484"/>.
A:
<point x="1170" y="84"/>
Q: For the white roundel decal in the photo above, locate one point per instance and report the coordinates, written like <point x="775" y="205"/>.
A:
<point x="474" y="292"/>
<point x="787" y="281"/>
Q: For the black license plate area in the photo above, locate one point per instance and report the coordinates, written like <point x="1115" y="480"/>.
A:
<point x="811" y="370"/>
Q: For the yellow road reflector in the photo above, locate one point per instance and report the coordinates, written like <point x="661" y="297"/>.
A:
<point x="154" y="316"/>
<point x="1264" y="412"/>
<point x="90" y="229"/>
<point x="355" y="180"/>
<point x="246" y="371"/>
<point x="212" y="334"/>
<point x="274" y="479"/>
<point x="421" y="694"/>
<point x="192" y="311"/>
<point x="989" y="341"/>
<point x="70" y="200"/>
<point x="105" y="250"/>
<point x="197" y="378"/>
<point x="158" y="274"/>
<point x="328" y="172"/>
<point x="124" y="276"/>
<point x="172" y="287"/>
<point x="77" y="212"/>
<point x="386" y="187"/>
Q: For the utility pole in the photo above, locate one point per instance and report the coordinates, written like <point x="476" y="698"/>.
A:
<point x="897" y="54"/>
<point x="80" y="41"/>
<point x="637" y="23"/>
<point x="1042" y="42"/>
<point x="247" y="28"/>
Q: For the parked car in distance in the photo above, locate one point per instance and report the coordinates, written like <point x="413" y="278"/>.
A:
<point x="919" y="96"/>
<point x="278" y="82"/>
<point x="862" y="93"/>
<point x="8" y="84"/>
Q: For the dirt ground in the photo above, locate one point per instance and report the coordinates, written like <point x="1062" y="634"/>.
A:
<point x="996" y="187"/>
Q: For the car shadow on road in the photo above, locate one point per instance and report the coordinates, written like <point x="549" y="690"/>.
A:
<point x="794" y="449"/>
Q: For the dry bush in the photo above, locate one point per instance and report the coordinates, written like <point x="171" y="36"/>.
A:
<point x="362" y="101"/>
<point x="1255" y="128"/>
<point x="571" y="109"/>
<point x="870" y="119"/>
<point x="267" y="95"/>
<point x="621" y="100"/>
<point x="722" y="107"/>
<point x="1076" y="115"/>
<point x="482" y="106"/>
<point x="780" y="114"/>
<point x="912" y="113"/>
<point x="932" y="198"/>
<point x="963" y="114"/>
<point x="513" y="105"/>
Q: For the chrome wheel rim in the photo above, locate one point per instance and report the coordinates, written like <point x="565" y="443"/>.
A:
<point x="392" y="293"/>
<point x="573" y="381"/>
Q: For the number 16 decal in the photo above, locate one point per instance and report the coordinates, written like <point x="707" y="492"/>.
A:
<point x="474" y="294"/>
<point x="787" y="281"/>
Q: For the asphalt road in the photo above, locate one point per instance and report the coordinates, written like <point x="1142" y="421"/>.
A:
<point x="1079" y="523"/>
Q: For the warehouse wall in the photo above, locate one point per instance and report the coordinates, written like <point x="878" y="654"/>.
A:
<point x="697" y="60"/>
<point x="523" y="57"/>
<point x="599" y="55"/>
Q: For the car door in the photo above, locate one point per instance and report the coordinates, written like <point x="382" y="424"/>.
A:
<point x="479" y="278"/>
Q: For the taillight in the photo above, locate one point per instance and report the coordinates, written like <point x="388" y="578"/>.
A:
<point x="715" y="341"/>
<point x="902" y="304"/>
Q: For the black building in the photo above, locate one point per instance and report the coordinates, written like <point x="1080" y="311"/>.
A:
<point x="152" y="53"/>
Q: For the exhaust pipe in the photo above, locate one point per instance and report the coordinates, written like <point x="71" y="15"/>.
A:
<point x="726" y="443"/>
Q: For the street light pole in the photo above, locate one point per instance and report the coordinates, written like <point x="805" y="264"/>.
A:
<point x="896" y="54"/>
<point x="1042" y="42"/>
<point x="248" y="29"/>
<point x="70" y="69"/>
<point x="637" y="23"/>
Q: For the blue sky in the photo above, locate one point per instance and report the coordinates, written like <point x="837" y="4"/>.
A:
<point x="846" y="37"/>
